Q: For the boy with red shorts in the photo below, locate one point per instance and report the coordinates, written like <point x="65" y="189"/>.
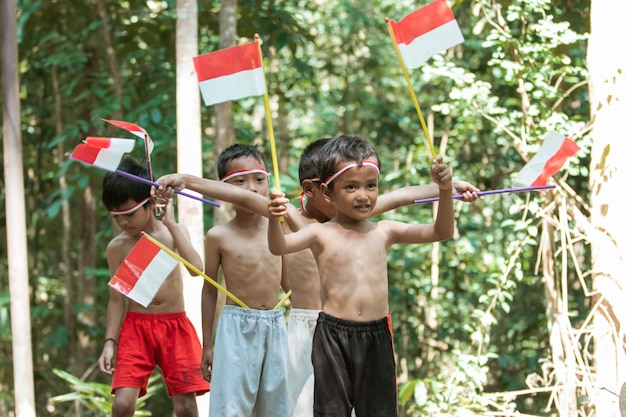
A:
<point x="160" y="334"/>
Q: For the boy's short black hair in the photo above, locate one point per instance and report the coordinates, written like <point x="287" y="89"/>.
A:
<point x="237" y="151"/>
<point x="344" y="148"/>
<point x="308" y="168"/>
<point x="117" y="189"/>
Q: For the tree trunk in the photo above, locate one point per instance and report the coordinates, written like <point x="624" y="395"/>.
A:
<point x="607" y="69"/>
<point x="224" y="130"/>
<point x="17" y="251"/>
<point x="189" y="153"/>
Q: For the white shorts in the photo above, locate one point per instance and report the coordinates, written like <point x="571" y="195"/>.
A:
<point x="250" y="364"/>
<point x="300" y="342"/>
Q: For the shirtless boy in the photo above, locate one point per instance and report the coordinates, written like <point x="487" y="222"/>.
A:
<point x="129" y="326"/>
<point x="350" y="252"/>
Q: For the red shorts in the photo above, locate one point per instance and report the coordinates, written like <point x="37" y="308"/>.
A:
<point x="168" y="341"/>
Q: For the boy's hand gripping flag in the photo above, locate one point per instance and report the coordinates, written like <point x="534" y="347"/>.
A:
<point x="552" y="155"/>
<point x="425" y="32"/>
<point x="142" y="272"/>
<point x="231" y="73"/>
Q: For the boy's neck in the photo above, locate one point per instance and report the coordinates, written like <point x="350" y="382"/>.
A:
<point x="152" y="226"/>
<point x="243" y="217"/>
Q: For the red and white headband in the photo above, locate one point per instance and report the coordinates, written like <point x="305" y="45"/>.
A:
<point x="365" y="162"/>
<point x="243" y="172"/>
<point x="132" y="209"/>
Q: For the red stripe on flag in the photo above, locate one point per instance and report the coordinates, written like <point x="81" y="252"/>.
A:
<point x="85" y="153"/>
<point x="228" y="61"/>
<point x="98" y="142"/>
<point x="134" y="265"/>
<point x="555" y="163"/>
<point x="422" y="21"/>
<point x="128" y="126"/>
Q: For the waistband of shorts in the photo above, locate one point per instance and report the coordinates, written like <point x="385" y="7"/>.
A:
<point x="156" y="316"/>
<point x="304" y="313"/>
<point x="253" y="312"/>
<point x="378" y="324"/>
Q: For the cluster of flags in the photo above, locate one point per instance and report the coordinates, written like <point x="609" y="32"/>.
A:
<point x="237" y="72"/>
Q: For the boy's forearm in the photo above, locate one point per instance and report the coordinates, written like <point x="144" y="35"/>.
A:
<point x="275" y="237"/>
<point x="404" y="197"/>
<point x="207" y="308"/>
<point x="444" y="223"/>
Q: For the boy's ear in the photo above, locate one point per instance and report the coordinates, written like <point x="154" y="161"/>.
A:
<point x="326" y="192"/>
<point x="308" y="187"/>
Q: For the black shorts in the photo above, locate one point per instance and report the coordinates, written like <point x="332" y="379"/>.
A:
<point x="354" y="367"/>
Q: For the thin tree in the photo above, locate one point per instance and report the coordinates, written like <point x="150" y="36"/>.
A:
<point x="16" y="216"/>
<point x="189" y="150"/>
<point x="607" y="71"/>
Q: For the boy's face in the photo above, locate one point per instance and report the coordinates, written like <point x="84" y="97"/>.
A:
<point x="257" y="182"/>
<point x="354" y="192"/>
<point x="132" y="216"/>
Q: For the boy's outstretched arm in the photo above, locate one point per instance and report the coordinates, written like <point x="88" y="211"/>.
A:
<point x="406" y="195"/>
<point x="211" y="188"/>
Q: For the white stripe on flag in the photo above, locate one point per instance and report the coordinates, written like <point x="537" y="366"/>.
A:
<point x="550" y="158"/>
<point x="108" y="160"/>
<point x="233" y="87"/>
<point x="425" y="46"/>
<point x="152" y="277"/>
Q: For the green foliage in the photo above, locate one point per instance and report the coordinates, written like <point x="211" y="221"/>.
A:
<point x="96" y="398"/>
<point x="476" y="326"/>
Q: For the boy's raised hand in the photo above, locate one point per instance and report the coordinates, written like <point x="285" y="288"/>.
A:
<point x="277" y="204"/>
<point x="441" y="174"/>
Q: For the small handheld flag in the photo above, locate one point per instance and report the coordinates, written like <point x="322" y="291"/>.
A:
<point x="417" y="37"/>
<point x="552" y="155"/>
<point x="425" y="32"/>
<point x="230" y="74"/>
<point x="137" y="131"/>
<point x="142" y="272"/>
<point x="105" y="153"/>
<point x="196" y="270"/>
<point x="109" y="158"/>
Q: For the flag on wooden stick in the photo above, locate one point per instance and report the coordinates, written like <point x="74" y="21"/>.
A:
<point x="142" y="272"/>
<point x="231" y="73"/>
<point x="425" y="32"/>
<point x="103" y="153"/>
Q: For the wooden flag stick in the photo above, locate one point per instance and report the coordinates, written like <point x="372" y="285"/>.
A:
<point x="429" y="141"/>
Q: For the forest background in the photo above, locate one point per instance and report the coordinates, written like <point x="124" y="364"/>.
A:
<point x="520" y="314"/>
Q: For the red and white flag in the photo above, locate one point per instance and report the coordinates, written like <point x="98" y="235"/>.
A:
<point x="425" y="32"/>
<point x="143" y="271"/>
<point x="231" y="73"/>
<point x="135" y="130"/>
<point x="103" y="153"/>
<point x="552" y="155"/>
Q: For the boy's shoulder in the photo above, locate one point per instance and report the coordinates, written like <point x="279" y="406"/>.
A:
<point x="121" y="241"/>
